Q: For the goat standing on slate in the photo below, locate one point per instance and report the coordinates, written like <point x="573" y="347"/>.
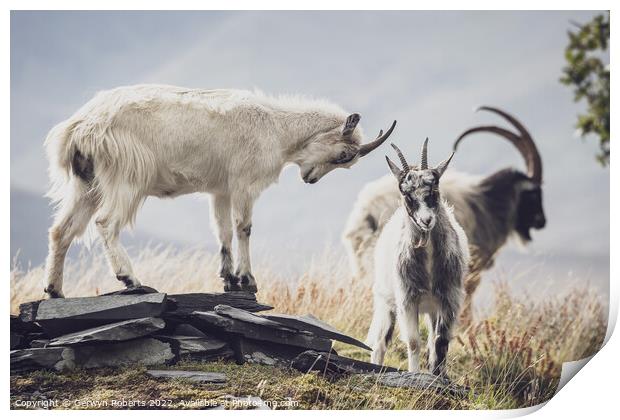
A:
<point x="421" y="259"/>
<point x="490" y="209"/>
<point x="133" y="142"/>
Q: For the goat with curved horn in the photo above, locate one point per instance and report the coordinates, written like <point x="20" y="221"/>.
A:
<point x="369" y="147"/>
<point x="522" y="141"/>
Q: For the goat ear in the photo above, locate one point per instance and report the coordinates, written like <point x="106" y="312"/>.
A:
<point x="441" y="168"/>
<point x="395" y="169"/>
<point x="350" y="124"/>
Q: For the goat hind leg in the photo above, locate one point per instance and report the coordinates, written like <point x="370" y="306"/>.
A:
<point x="472" y="280"/>
<point x="109" y="229"/>
<point x="71" y="221"/>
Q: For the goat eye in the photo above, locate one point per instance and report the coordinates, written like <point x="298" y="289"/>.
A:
<point x="343" y="156"/>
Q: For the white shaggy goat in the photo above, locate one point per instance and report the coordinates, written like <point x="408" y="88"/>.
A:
<point x="490" y="209"/>
<point x="421" y="260"/>
<point x="133" y="142"/>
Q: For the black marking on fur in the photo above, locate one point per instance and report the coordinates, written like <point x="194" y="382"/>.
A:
<point x="441" y="350"/>
<point x="248" y="283"/>
<point x="231" y="283"/>
<point x="372" y="223"/>
<point x="52" y="293"/>
<point x="530" y="213"/>
<point x="225" y="263"/>
<point x="127" y="280"/>
<point x="411" y="204"/>
<point x="390" y="331"/>
<point x="83" y="167"/>
<point x="232" y="287"/>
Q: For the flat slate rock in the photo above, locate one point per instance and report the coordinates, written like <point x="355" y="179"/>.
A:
<point x="421" y="381"/>
<point x="141" y="290"/>
<point x="188" y="330"/>
<point x="245" y="316"/>
<point x="197" y="348"/>
<point x="260" y="331"/>
<point x="334" y="365"/>
<point x="315" y="326"/>
<point x="117" y="331"/>
<point x="183" y="305"/>
<point x="61" y="316"/>
<point x="251" y="350"/>
<point x="142" y="351"/>
<point x="57" y="358"/>
<point x="193" y="376"/>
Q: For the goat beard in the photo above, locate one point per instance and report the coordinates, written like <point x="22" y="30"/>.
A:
<point x="422" y="239"/>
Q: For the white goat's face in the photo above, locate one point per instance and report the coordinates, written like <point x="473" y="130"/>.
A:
<point x="326" y="152"/>
<point x="337" y="148"/>
<point x="420" y="191"/>
<point x="419" y="188"/>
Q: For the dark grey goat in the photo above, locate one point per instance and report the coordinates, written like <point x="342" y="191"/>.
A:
<point x="421" y="260"/>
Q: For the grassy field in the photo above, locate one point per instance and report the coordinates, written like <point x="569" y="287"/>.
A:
<point x="510" y="357"/>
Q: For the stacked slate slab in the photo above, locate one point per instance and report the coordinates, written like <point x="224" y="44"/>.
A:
<point x="141" y="326"/>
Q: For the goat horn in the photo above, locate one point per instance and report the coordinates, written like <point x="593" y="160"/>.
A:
<point x="369" y="147"/>
<point x="424" y="164"/>
<point x="523" y="142"/>
<point x="403" y="161"/>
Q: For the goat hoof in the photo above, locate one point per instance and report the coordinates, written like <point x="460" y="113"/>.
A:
<point x="53" y="294"/>
<point x="231" y="283"/>
<point x="248" y="284"/>
<point x="232" y="287"/>
<point x="129" y="282"/>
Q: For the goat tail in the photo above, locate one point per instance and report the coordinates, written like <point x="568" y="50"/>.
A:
<point x="93" y="157"/>
<point x="60" y="150"/>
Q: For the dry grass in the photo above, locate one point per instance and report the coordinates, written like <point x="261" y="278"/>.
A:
<point x="510" y="358"/>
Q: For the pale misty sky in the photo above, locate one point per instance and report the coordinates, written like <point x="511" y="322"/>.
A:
<point x="428" y="70"/>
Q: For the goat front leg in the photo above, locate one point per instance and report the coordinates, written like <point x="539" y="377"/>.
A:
<point x="410" y="330"/>
<point x="242" y="208"/>
<point x="222" y="222"/>
<point x="443" y="331"/>
<point x="431" y="326"/>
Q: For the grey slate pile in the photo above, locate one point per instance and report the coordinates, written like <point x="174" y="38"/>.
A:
<point x="143" y="326"/>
